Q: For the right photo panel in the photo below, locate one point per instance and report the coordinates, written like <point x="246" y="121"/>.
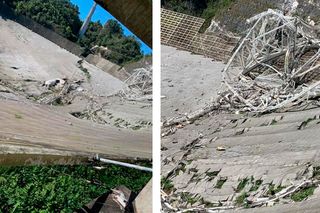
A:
<point x="240" y="106"/>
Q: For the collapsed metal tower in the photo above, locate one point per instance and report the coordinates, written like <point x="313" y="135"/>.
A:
<point x="274" y="66"/>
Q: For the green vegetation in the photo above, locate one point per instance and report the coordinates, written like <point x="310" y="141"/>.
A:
<point x="85" y="72"/>
<point x="232" y="14"/>
<point x="136" y="127"/>
<point x="195" y="178"/>
<point x="215" y="7"/>
<point x="122" y="49"/>
<point x="273" y="122"/>
<point x="180" y="168"/>
<point x="303" y="194"/>
<point x="190" y="7"/>
<point x="189" y="198"/>
<point x="18" y="116"/>
<point x="242" y="184"/>
<point x="58" y="102"/>
<point x="304" y="124"/>
<point x="167" y="185"/>
<point x="62" y="17"/>
<point x="256" y="185"/>
<point x="240" y="200"/>
<point x="61" y="188"/>
<point x="220" y="183"/>
<point x="202" y="8"/>
<point x="58" y="15"/>
<point x="316" y="172"/>
<point x="274" y="190"/>
<point x="212" y="175"/>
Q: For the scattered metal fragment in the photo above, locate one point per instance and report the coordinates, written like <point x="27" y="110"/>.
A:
<point x="139" y="85"/>
<point x="275" y="65"/>
<point x="221" y="148"/>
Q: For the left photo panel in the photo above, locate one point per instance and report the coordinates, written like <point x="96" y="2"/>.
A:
<point x="76" y="106"/>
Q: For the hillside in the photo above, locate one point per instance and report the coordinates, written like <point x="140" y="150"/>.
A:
<point x="232" y="14"/>
<point x="63" y="18"/>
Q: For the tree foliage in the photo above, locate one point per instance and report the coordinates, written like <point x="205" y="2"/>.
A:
<point x="63" y="17"/>
<point x="191" y="7"/>
<point x="123" y="48"/>
<point x="61" y="188"/>
<point x="58" y="15"/>
<point x="201" y="8"/>
<point x="232" y="14"/>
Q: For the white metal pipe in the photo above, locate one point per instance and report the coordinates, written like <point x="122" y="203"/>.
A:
<point x="142" y="168"/>
<point x="85" y="24"/>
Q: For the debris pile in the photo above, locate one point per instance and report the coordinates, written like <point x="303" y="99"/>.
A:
<point x="167" y="207"/>
<point x="60" y="91"/>
<point x="116" y="201"/>
<point x="139" y="85"/>
<point x="100" y="51"/>
<point x="275" y="66"/>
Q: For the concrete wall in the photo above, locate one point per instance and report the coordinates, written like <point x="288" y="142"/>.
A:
<point x="142" y="63"/>
<point x="8" y="13"/>
<point x="143" y="202"/>
<point x="107" y="66"/>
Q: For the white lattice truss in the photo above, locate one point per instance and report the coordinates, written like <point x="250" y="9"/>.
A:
<point x="274" y="66"/>
<point x="139" y="85"/>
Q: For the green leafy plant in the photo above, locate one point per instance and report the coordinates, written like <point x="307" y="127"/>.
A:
<point x="167" y="184"/>
<point x="220" y="183"/>
<point x="242" y="184"/>
<point x="61" y="188"/>
<point x="303" y="194"/>
<point x="256" y="185"/>
<point x="274" y="190"/>
<point x="62" y="17"/>
<point x="58" y="15"/>
<point x="240" y="200"/>
<point x="121" y="49"/>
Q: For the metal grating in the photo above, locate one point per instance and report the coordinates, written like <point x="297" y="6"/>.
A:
<point x="178" y="29"/>
<point x="182" y="31"/>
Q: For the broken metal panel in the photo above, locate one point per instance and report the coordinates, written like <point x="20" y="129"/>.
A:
<point x="253" y="155"/>
<point x="274" y="65"/>
<point x="138" y="85"/>
<point x="136" y="15"/>
<point x="178" y="29"/>
<point x="213" y="46"/>
<point x="182" y="31"/>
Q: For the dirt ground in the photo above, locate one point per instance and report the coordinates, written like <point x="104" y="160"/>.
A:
<point x="188" y="81"/>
